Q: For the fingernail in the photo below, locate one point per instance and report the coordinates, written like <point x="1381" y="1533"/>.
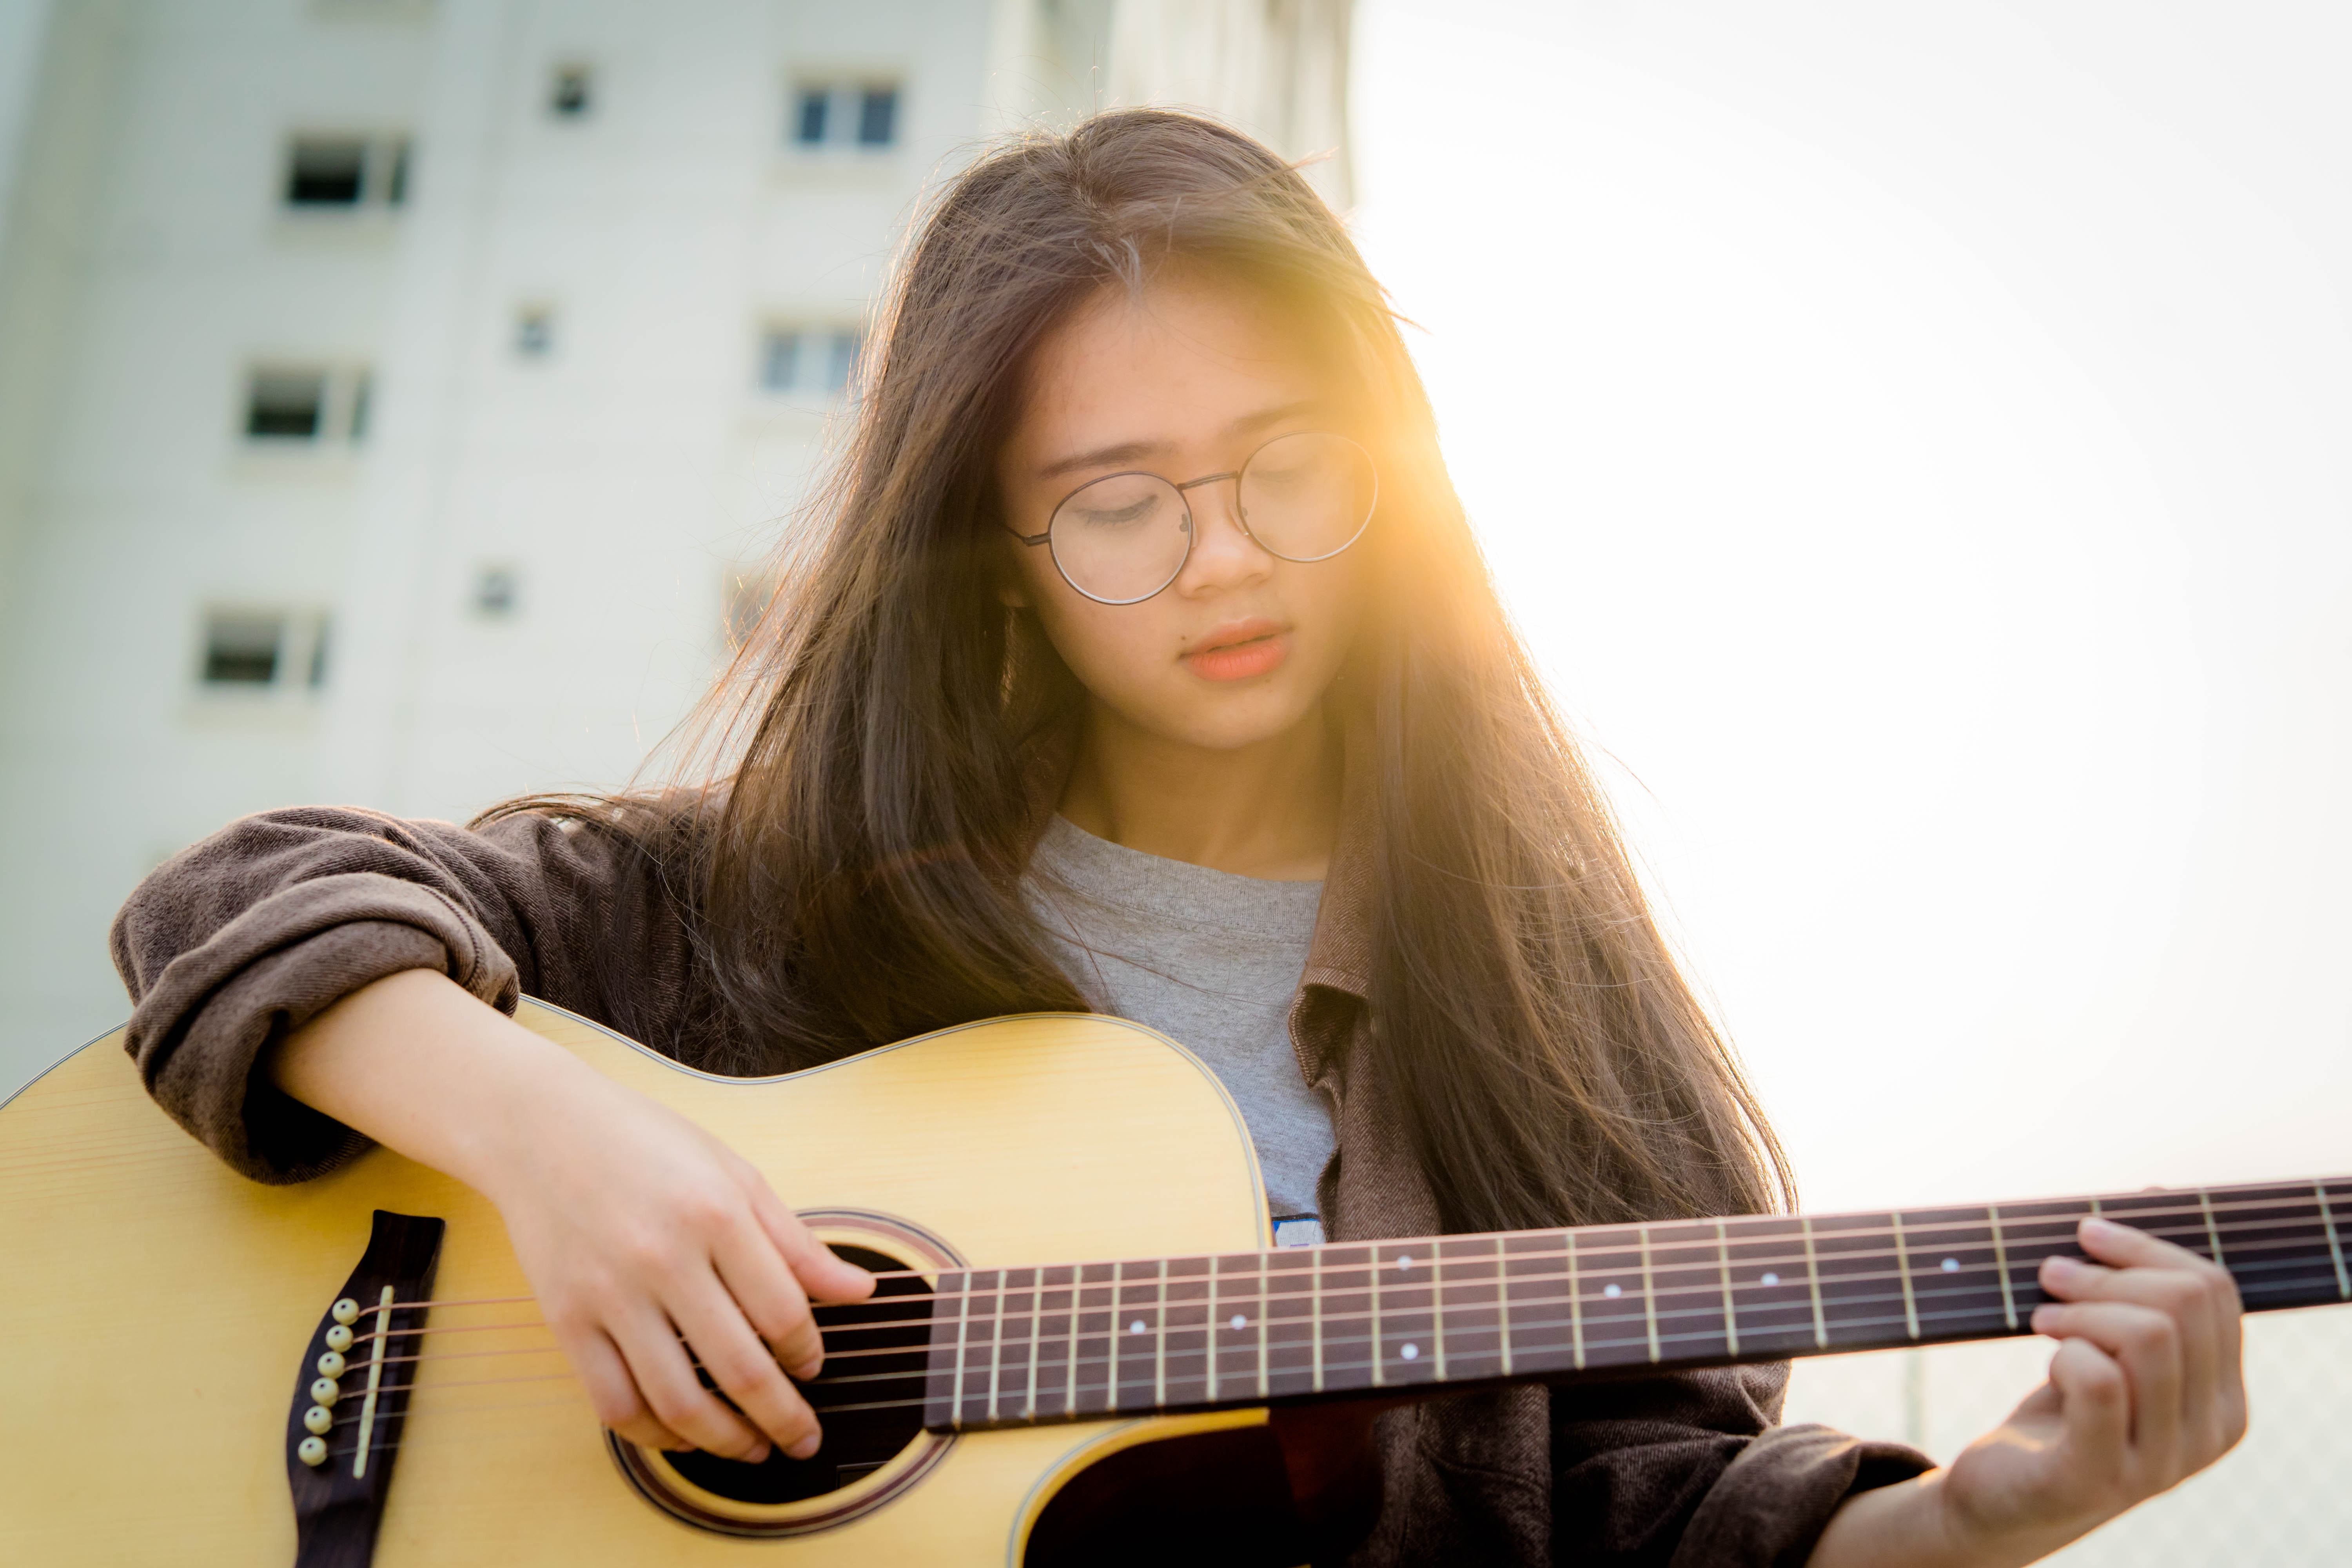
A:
<point x="805" y="1448"/>
<point x="759" y="1456"/>
<point x="2106" y="1229"/>
<point x="2063" y="1266"/>
<point x="806" y="1370"/>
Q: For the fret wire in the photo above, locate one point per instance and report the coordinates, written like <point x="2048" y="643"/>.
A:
<point x="1315" y="1306"/>
<point x="1378" y="1379"/>
<point x="1814" y="1274"/>
<point x="1575" y="1300"/>
<point x="1160" y="1339"/>
<point x="1264" y="1356"/>
<point x="2000" y="1261"/>
<point x="1070" y="1359"/>
<point x="1215" y="1306"/>
<point x="1649" y="1295"/>
<point x="2327" y="1217"/>
<point x="2212" y="1233"/>
<point x="1903" y="1267"/>
<point x="1731" y="1311"/>
<point x="1503" y="1304"/>
<point x="1037" y="1340"/>
<point x="963" y="1299"/>
<point x="1437" y="1305"/>
<point x="996" y="1348"/>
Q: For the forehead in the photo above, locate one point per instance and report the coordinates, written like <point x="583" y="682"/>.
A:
<point x="1180" y="361"/>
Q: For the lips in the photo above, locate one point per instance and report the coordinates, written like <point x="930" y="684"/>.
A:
<point x="1240" y="650"/>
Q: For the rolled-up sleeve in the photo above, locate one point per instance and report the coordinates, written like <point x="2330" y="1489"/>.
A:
<point x="1690" y="1471"/>
<point x="244" y="937"/>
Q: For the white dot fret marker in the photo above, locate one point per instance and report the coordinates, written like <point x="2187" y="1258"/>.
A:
<point x="1771" y="1280"/>
<point x="1404" y="1263"/>
<point x="1136" y="1327"/>
<point x="1951" y="1266"/>
<point x="1410" y="1351"/>
<point x="1613" y="1291"/>
<point x="1239" y="1322"/>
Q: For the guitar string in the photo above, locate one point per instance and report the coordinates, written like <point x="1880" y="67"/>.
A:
<point x="1074" y="1336"/>
<point x="1108" y="1333"/>
<point x="1080" y="1407"/>
<point x="1663" y="1299"/>
<point x="1711" y="1287"/>
<point x="2193" y="1216"/>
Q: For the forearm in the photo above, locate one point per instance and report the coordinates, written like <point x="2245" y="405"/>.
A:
<point x="1909" y="1525"/>
<point x="422" y="1068"/>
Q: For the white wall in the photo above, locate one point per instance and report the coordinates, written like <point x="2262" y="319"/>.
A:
<point x="1913" y="439"/>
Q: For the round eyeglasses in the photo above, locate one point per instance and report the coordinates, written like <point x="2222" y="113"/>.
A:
<point x="1120" y="539"/>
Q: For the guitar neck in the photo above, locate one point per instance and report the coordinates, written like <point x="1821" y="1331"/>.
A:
<point x="1020" y="1346"/>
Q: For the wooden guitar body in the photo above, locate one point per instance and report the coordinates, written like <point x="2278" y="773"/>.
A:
<point x="155" y="1308"/>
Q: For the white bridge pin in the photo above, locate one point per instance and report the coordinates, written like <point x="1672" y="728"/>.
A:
<point x="317" y="1418"/>
<point x="324" y="1391"/>
<point x="311" y="1451"/>
<point x="339" y="1338"/>
<point x="345" y="1312"/>
<point x="331" y="1365"/>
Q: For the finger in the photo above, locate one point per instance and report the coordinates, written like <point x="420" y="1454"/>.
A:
<point x="822" y="1273"/>
<point x="753" y="1272"/>
<point x="2146" y="1343"/>
<point x="743" y="1367"/>
<point x="2128" y="1247"/>
<point x="598" y="1364"/>
<point x="2200" y="1296"/>
<point x="666" y="1383"/>
<point x="2094" y="1402"/>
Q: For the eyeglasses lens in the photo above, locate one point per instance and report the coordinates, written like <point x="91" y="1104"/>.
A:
<point x="1121" y="539"/>
<point x="1308" y="497"/>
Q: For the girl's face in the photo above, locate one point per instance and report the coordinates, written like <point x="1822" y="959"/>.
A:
<point x="1187" y="382"/>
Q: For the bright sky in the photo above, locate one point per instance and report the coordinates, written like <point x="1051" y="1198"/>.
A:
<point x="1912" y="440"/>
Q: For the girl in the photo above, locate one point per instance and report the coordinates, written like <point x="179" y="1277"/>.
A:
<point x="1145" y="663"/>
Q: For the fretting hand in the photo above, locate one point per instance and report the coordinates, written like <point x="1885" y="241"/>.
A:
<point x="2144" y="1391"/>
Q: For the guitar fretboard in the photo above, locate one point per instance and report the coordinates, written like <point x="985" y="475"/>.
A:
<point x="1018" y="1346"/>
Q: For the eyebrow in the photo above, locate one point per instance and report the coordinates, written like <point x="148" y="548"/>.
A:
<point x="1137" y="451"/>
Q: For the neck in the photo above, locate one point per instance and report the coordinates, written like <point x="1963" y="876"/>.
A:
<point x="1270" y="809"/>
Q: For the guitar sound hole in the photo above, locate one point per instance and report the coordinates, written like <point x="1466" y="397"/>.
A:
<point x="869" y="1398"/>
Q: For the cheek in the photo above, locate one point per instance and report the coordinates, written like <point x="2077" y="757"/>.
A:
<point x="1110" y="648"/>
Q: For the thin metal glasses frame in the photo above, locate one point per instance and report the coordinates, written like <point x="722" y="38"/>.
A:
<point x="1191" y="536"/>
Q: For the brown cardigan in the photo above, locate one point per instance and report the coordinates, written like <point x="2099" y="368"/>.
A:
<point x="235" y="942"/>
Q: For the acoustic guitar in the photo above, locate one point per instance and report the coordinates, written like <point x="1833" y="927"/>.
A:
<point x="1080" y="1331"/>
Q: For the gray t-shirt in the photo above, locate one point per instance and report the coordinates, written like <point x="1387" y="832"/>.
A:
<point x="1208" y="958"/>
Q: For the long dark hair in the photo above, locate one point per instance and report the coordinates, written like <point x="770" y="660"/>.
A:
<point x="869" y="769"/>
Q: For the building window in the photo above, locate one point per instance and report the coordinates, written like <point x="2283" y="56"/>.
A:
<point x="534" y="335"/>
<point x="807" y="360"/>
<point x="307" y="405"/>
<point x="346" y="173"/>
<point x="844" y="114"/>
<point x="497" y="592"/>
<point x="264" y="650"/>
<point x="571" y="93"/>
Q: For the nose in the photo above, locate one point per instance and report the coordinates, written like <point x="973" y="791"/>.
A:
<point x="1224" y="554"/>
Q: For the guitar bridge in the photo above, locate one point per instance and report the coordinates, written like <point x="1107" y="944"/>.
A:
<point x="351" y="1394"/>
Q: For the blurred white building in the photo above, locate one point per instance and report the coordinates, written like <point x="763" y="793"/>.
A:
<point x="394" y="393"/>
